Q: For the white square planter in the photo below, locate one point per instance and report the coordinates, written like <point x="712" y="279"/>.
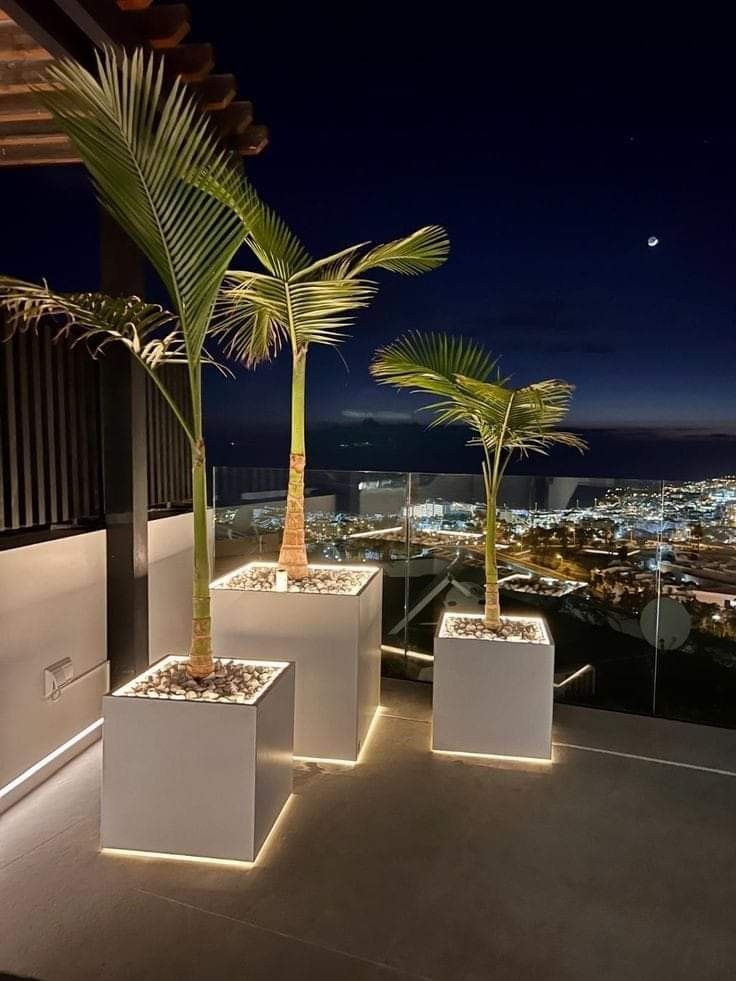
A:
<point x="335" y="642"/>
<point x="493" y="697"/>
<point x="195" y="778"/>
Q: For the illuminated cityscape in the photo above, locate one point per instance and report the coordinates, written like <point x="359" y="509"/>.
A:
<point x="592" y="554"/>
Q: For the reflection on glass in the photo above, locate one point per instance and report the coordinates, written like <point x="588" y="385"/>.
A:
<point x="603" y="559"/>
<point x="351" y="517"/>
<point x="696" y="676"/>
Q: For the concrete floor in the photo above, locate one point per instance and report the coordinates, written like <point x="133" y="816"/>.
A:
<point x="408" y="865"/>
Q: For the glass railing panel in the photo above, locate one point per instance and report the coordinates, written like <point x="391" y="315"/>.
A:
<point x="696" y="664"/>
<point x="580" y="552"/>
<point x="351" y="517"/>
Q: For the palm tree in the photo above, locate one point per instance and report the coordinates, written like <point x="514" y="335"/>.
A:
<point x="299" y="301"/>
<point x="141" y="142"/>
<point x="470" y="391"/>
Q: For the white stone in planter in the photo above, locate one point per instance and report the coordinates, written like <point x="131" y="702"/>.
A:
<point x="493" y="697"/>
<point x="335" y="641"/>
<point x="204" y="779"/>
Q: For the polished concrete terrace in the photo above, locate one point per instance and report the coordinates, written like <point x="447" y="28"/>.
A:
<point x="608" y="864"/>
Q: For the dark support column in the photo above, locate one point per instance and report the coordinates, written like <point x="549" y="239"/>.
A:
<point x="124" y="470"/>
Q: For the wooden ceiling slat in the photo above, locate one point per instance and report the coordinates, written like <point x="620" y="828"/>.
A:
<point x="134" y="4"/>
<point x="16" y="45"/>
<point x="191" y="62"/>
<point x="28" y="127"/>
<point x="45" y="139"/>
<point x="235" y="118"/>
<point x="27" y="133"/>
<point x="41" y="148"/>
<point x="15" y="107"/>
<point x="161" y="27"/>
<point x="16" y="76"/>
<point x="252" y="141"/>
<point x="216" y="91"/>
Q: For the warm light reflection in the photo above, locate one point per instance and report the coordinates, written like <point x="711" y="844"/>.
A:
<point x="222" y="582"/>
<point x="54" y="754"/>
<point x="496" y="756"/>
<point x="416" y="655"/>
<point x="326" y="759"/>
<point x="165" y="662"/>
<point x="504" y="616"/>
<point x="204" y="859"/>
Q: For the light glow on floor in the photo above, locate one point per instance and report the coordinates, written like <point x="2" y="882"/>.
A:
<point x="205" y="859"/>
<point x="325" y="759"/>
<point x="416" y="655"/>
<point x="496" y="756"/>
<point x="49" y="758"/>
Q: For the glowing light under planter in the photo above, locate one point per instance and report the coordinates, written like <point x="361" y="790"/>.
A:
<point x="544" y="760"/>
<point x="323" y="759"/>
<point x="205" y="859"/>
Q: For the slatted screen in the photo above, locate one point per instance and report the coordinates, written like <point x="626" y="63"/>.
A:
<point x="49" y="434"/>
<point x="169" y="459"/>
<point x="50" y="458"/>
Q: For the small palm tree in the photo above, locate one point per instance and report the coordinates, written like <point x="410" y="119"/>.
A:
<point x="470" y="391"/>
<point x="141" y="143"/>
<point x="300" y="301"/>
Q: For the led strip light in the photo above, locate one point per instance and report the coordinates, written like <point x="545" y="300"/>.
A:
<point x="53" y="755"/>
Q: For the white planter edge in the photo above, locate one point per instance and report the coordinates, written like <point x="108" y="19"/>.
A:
<point x="195" y="780"/>
<point x="493" y="698"/>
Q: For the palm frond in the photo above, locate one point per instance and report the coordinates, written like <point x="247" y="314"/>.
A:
<point x="138" y="142"/>
<point x="249" y="317"/>
<point x="423" y="250"/>
<point x="256" y="313"/>
<point x="93" y="317"/>
<point x="457" y="371"/>
<point x="268" y="236"/>
<point x="431" y="362"/>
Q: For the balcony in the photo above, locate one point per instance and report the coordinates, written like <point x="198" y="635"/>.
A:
<point x="614" y="862"/>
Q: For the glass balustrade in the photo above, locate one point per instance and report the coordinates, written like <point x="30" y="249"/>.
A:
<point x="636" y="579"/>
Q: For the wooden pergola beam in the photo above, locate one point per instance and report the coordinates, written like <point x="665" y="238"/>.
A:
<point x="15" y="107"/>
<point x="43" y="148"/>
<point x="252" y="141"/>
<point x="191" y="62"/>
<point x="17" y="45"/>
<point x="161" y="27"/>
<point x="215" y="91"/>
<point x="16" y="76"/>
<point x="235" y="118"/>
<point x="34" y="33"/>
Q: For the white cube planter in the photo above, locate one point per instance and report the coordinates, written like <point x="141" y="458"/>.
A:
<point x="493" y="697"/>
<point x="335" y="642"/>
<point x="193" y="778"/>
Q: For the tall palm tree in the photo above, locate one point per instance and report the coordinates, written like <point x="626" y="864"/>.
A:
<point x="141" y="142"/>
<point x="470" y="391"/>
<point x="299" y="301"/>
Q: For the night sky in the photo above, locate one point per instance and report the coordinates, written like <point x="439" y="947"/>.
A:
<point x="549" y="168"/>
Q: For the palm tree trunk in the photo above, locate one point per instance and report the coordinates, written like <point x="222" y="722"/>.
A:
<point x="293" y="554"/>
<point x="201" y="661"/>
<point x="492" y="612"/>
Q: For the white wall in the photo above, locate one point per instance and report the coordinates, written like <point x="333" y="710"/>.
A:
<point x="52" y="606"/>
<point x="170" y="584"/>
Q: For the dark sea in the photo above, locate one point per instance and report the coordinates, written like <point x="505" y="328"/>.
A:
<point x="646" y="453"/>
